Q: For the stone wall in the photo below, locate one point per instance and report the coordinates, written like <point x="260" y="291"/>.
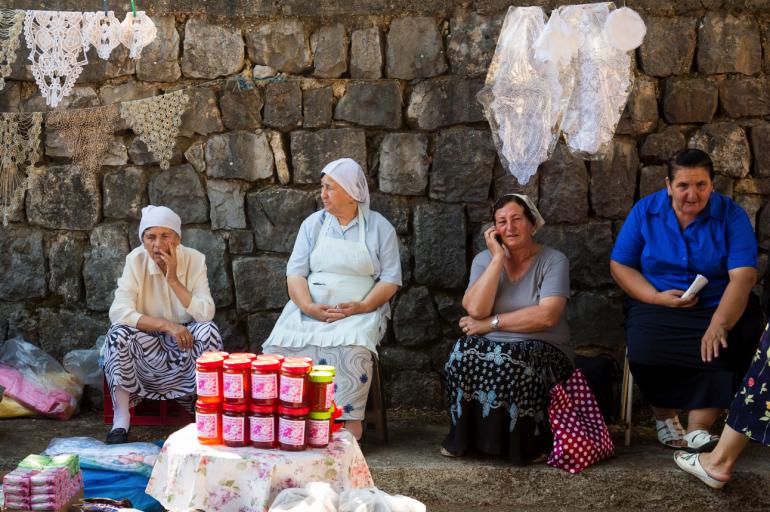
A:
<point x="391" y="84"/>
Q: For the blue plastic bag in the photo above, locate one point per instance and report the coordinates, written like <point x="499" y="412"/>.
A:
<point x="117" y="485"/>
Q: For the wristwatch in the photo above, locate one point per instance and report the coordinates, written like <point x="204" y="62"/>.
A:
<point x="495" y="323"/>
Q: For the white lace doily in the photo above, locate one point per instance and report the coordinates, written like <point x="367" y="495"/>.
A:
<point x="102" y="31"/>
<point x="56" y="41"/>
<point x="136" y="32"/>
<point x="602" y="83"/>
<point x="523" y="97"/>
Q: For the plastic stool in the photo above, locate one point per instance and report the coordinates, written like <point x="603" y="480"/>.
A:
<point x="149" y="412"/>
<point x="375" y="406"/>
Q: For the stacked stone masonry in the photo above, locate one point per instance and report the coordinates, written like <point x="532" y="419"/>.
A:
<point x="392" y="85"/>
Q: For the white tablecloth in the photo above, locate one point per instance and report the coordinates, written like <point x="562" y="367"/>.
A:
<point x="189" y="475"/>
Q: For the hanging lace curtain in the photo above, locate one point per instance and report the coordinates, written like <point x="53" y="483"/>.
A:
<point x="603" y="80"/>
<point x="56" y="41"/>
<point x="523" y="96"/>
<point x="11" y="23"/>
<point x="19" y="141"/>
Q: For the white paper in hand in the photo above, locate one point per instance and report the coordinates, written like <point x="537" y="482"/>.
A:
<point x="695" y="287"/>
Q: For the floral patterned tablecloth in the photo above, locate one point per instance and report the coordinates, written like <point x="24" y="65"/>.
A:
<point x="188" y="475"/>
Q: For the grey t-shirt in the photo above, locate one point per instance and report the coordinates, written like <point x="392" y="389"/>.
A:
<point x="547" y="276"/>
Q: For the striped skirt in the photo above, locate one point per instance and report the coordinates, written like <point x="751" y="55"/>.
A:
<point x="151" y="365"/>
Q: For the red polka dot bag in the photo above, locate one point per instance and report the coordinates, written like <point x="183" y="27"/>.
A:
<point x="580" y="436"/>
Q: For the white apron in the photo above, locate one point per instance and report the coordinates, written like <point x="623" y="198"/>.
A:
<point x="340" y="271"/>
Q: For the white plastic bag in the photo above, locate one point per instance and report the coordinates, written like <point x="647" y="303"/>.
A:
<point x="314" y="497"/>
<point x="84" y="364"/>
<point x="94" y="454"/>
<point x="375" y="500"/>
<point x="37" y="381"/>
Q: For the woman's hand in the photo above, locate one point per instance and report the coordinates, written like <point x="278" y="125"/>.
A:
<point x="323" y="312"/>
<point x="715" y="337"/>
<point x="673" y="299"/>
<point x="495" y="247"/>
<point x="169" y="259"/>
<point x="183" y="337"/>
<point x="471" y="326"/>
<point x="351" y="308"/>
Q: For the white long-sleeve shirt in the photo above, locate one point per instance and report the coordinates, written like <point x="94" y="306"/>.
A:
<point x="143" y="290"/>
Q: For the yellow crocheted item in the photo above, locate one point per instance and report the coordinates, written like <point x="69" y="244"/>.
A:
<point x="11" y="24"/>
<point x="19" y="140"/>
<point x="87" y="132"/>
<point x="156" y="120"/>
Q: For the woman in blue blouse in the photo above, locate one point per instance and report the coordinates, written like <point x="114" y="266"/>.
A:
<point x="688" y="353"/>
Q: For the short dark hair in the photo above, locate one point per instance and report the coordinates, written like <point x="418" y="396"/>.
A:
<point x="689" y="159"/>
<point x="511" y="198"/>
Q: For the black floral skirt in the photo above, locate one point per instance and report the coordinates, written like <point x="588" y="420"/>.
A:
<point x="498" y="396"/>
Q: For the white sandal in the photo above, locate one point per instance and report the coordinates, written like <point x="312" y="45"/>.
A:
<point x="671" y="431"/>
<point x="699" y="441"/>
<point x="690" y="463"/>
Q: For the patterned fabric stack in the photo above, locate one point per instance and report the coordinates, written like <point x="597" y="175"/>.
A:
<point x="43" y="483"/>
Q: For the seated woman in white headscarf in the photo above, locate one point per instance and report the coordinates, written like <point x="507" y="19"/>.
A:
<point x="343" y="270"/>
<point x="161" y="320"/>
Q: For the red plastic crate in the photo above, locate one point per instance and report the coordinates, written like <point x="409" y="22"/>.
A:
<point x="150" y="412"/>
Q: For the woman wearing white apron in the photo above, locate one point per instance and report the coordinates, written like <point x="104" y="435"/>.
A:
<point x="343" y="270"/>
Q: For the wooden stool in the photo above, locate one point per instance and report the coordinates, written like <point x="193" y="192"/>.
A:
<point x="375" y="406"/>
<point x="626" y="400"/>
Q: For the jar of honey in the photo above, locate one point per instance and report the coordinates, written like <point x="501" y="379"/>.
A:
<point x="320" y="395"/>
<point x="330" y="390"/>
<point x="237" y="381"/>
<point x="235" y="430"/>
<point x="292" y="428"/>
<point x="319" y="429"/>
<point x="264" y="381"/>
<point x="208" y="422"/>
<point x="208" y="378"/>
<point x="263" y="426"/>
<point x="293" y="384"/>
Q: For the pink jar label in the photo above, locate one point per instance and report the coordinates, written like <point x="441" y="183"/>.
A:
<point x="262" y="429"/>
<point x="291" y="389"/>
<point x="233" y="384"/>
<point x="291" y="431"/>
<point x="329" y="394"/>
<point x="233" y="428"/>
<point x="318" y="431"/>
<point x="264" y="387"/>
<point x="206" y="423"/>
<point x="207" y="383"/>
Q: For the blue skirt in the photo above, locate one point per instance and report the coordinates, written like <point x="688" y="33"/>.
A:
<point x="750" y="410"/>
<point x="664" y="354"/>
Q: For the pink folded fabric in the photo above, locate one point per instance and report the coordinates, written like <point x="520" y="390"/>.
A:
<point x="49" y="402"/>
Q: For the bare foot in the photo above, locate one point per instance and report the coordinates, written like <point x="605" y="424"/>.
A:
<point x="713" y="470"/>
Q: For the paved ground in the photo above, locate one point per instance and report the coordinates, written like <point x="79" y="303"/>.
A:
<point x="641" y="477"/>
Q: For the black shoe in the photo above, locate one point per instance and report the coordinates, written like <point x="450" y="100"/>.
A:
<point x="117" y="436"/>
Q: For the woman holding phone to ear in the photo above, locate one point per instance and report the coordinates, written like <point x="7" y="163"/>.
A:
<point x="688" y="353"/>
<point x="515" y="342"/>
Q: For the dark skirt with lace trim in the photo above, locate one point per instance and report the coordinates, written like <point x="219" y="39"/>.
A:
<point x="498" y="396"/>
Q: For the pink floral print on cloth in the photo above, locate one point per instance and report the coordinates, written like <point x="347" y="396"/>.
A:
<point x="580" y="436"/>
<point x="188" y="475"/>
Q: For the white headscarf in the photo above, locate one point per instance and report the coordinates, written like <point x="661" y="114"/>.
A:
<point x="159" y="216"/>
<point x="539" y="220"/>
<point x="350" y="177"/>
